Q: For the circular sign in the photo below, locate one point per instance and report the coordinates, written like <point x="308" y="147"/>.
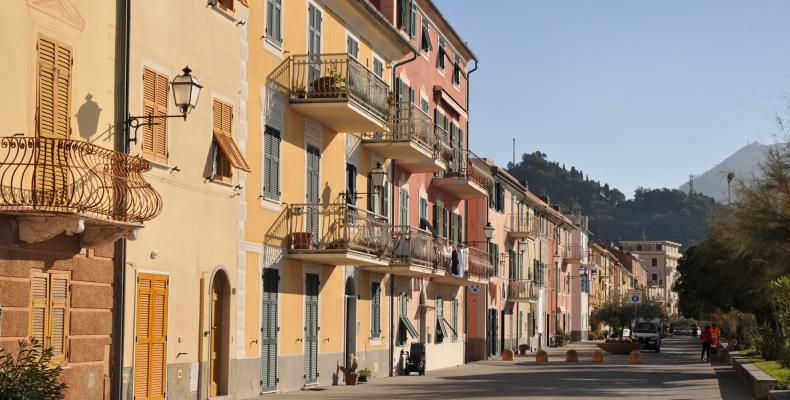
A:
<point x="474" y="288"/>
<point x="636" y="298"/>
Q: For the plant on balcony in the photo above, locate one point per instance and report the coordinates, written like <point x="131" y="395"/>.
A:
<point x="302" y="240"/>
<point x="30" y="374"/>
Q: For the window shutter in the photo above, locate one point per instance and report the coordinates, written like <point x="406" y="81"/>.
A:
<point x="54" y="89"/>
<point x="158" y="334"/>
<point x="275" y="164"/>
<point x="58" y="314"/>
<point x="385" y="199"/>
<point x="455" y="318"/>
<point x="150" y="336"/>
<point x="270" y="19"/>
<point x="460" y="227"/>
<point x="155" y="91"/>
<point x="39" y="288"/>
<point x="277" y="31"/>
<point x="413" y="20"/>
<point x="435" y="219"/>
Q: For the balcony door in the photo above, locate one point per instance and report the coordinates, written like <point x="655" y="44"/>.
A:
<point x="269" y="329"/>
<point x="313" y="161"/>
<point x="313" y="44"/>
<point x="311" y="329"/>
<point x="351" y="320"/>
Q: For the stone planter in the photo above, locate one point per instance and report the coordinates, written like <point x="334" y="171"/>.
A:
<point x="620" y="349"/>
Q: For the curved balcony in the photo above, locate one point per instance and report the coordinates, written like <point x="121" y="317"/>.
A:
<point x="411" y="140"/>
<point x="61" y="185"/>
<point x="335" y="90"/>
<point x="521" y="226"/>
<point x="480" y="268"/>
<point x="337" y="234"/>
<point x="465" y="177"/>
<point x="415" y="253"/>
<point x="522" y="290"/>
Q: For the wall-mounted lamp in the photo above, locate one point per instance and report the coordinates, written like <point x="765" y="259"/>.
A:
<point x="522" y="246"/>
<point x="488" y="230"/>
<point x="186" y="90"/>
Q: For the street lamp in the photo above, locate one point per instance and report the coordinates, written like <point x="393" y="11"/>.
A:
<point x="488" y="230"/>
<point x="186" y="90"/>
<point x="377" y="175"/>
<point x="522" y="245"/>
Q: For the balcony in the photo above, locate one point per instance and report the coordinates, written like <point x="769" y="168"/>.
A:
<point x="59" y="186"/>
<point x="416" y="253"/>
<point x="337" y="234"/>
<point x="522" y="290"/>
<point x="572" y="253"/>
<point x="411" y="140"/>
<point x="465" y="176"/>
<point x="336" y="91"/>
<point x="521" y="226"/>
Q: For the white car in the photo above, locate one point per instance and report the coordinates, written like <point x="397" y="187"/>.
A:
<point x="648" y="333"/>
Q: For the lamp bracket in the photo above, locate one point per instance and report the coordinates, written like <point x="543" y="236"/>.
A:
<point x="135" y="122"/>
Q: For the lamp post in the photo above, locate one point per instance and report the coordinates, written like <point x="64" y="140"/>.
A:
<point x="186" y="91"/>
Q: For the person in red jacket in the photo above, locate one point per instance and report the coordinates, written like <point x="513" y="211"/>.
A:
<point x="714" y="336"/>
<point x="704" y="338"/>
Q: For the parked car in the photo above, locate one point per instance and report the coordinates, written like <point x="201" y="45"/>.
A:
<point x="649" y="333"/>
<point x="678" y="331"/>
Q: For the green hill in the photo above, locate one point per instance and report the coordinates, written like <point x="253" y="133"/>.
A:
<point x="653" y="214"/>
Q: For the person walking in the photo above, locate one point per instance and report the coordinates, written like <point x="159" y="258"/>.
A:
<point x="715" y="333"/>
<point x="704" y="338"/>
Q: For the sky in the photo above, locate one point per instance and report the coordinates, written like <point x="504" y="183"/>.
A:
<point x="634" y="93"/>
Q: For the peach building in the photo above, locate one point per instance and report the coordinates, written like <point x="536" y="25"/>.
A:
<point x="660" y="258"/>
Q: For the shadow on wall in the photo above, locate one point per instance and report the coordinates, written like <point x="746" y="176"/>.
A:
<point x="88" y="120"/>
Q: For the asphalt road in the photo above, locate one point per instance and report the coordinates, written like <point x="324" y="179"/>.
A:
<point x="675" y="373"/>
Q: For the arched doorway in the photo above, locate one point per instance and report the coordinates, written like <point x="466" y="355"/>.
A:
<point x="219" y="335"/>
<point x="351" y="319"/>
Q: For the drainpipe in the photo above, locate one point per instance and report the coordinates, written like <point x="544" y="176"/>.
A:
<point x="123" y="8"/>
<point x="392" y="214"/>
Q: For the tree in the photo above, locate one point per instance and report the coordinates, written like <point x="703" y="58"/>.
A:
<point x="30" y="375"/>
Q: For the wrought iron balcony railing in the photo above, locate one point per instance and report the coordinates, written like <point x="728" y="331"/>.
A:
<point x="480" y="264"/>
<point x="414" y="246"/>
<point x="572" y="252"/>
<point x="410" y="123"/>
<point x="522" y="289"/>
<point x="315" y="228"/>
<point x="523" y="225"/>
<point x="71" y="176"/>
<point x="333" y="77"/>
<point x="467" y="165"/>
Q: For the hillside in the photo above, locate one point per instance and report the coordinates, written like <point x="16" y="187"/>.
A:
<point x="743" y="163"/>
<point x="659" y="214"/>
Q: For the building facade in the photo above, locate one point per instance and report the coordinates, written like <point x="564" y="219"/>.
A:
<point x="660" y="258"/>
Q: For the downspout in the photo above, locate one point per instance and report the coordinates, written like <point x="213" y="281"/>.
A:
<point x="466" y="221"/>
<point x="392" y="214"/>
<point x="123" y="8"/>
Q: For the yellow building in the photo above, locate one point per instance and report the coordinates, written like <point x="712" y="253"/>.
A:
<point x="66" y="196"/>
<point x="182" y="285"/>
<point x="312" y="283"/>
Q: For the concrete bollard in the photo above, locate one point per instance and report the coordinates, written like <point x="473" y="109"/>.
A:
<point x="541" y="356"/>
<point x="635" y="357"/>
<point x="507" y="355"/>
<point x="597" y="356"/>
<point x="571" y="356"/>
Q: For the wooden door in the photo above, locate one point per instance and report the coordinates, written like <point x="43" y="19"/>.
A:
<point x="150" y="339"/>
<point x="215" y="356"/>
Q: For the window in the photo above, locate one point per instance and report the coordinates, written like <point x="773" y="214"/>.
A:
<point x="455" y="319"/>
<point x="404" y="207"/>
<point x="411" y="95"/>
<point x="274" y="22"/>
<point x="654" y="277"/>
<point x="441" y="55"/>
<point x="271" y="163"/>
<point x="352" y="47"/>
<point x="408" y="16"/>
<point x="405" y="326"/>
<point x="441" y="328"/>
<point x="351" y="184"/>
<point x="155" y="91"/>
<point x="512" y="270"/>
<point x="413" y="21"/>
<point x="425" y="42"/>
<point x="457" y="71"/>
<point x="423" y="209"/>
<point x="226" y="153"/>
<point x="54" y="89"/>
<point x="424" y="106"/>
<point x="493" y="256"/>
<point x="658" y="247"/>
<point x="654" y="262"/>
<point x="385" y="198"/>
<point x="375" y="310"/>
<point x="498" y="199"/>
<point x="520" y="322"/>
<point x="49" y="311"/>
<point x="378" y="67"/>
<point x="639" y="247"/>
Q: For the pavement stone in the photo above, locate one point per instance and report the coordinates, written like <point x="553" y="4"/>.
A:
<point x="674" y="373"/>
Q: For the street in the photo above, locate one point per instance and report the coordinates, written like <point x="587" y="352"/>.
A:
<point x="675" y="373"/>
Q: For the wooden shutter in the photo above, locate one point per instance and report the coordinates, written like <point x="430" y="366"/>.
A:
<point x="155" y="91"/>
<point x="269" y="330"/>
<point x="271" y="164"/>
<point x="223" y="135"/>
<point x="54" y="89"/>
<point x="39" y="289"/>
<point x="58" y="315"/>
<point x="150" y="336"/>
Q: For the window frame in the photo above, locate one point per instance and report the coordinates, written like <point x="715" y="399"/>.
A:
<point x="268" y="30"/>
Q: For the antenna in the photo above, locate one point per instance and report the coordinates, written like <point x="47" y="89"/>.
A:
<point x="514" y="151"/>
<point x="691" y="183"/>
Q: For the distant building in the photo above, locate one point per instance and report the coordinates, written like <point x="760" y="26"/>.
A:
<point x="661" y="261"/>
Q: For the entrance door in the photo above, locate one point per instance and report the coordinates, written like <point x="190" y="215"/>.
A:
<point x="220" y="319"/>
<point x="493" y="332"/>
<point x="311" y="190"/>
<point x="150" y="340"/>
<point x="311" y="329"/>
<point x="271" y="282"/>
<point x="351" y="320"/>
<point x="313" y="45"/>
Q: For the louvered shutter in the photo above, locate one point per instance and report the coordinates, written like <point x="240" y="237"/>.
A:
<point x="155" y="91"/>
<point x="39" y="289"/>
<point x="435" y="219"/>
<point x="371" y="198"/>
<point x="159" y="295"/>
<point x="455" y="318"/>
<point x="151" y="336"/>
<point x="274" y="21"/>
<point x="269" y="19"/>
<point x="375" y="314"/>
<point x="271" y="182"/>
<point x="451" y="227"/>
<point x="413" y="20"/>
<point x="404" y="11"/>
<point x="58" y="316"/>
<point x="269" y="330"/>
<point x="385" y="199"/>
<point x="142" y="340"/>
<point x="47" y="103"/>
<point x="311" y="328"/>
<point x="460" y="228"/>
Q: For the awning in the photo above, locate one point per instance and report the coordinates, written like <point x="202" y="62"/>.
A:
<point x="228" y="146"/>
<point x="442" y="326"/>
<point x="450" y="101"/>
<point x="404" y="320"/>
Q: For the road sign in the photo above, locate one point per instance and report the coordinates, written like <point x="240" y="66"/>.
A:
<point x="474" y="288"/>
<point x="635" y="297"/>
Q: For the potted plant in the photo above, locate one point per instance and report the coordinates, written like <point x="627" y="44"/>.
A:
<point x="350" y="371"/>
<point x="365" y="374"/>
<point x="522" y="349"/>
<point x="301" y="240"/>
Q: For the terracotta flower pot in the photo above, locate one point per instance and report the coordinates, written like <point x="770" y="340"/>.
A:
<point x="302" y="240"/>
<point x="352" y="378"/>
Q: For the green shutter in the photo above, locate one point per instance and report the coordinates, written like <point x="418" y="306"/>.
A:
<point x="455" y="319"/>
<point x="271" y="165"/>
<point x="269" y="330"/>
<point x="413" y="20"/>
<point x="311" y="328"/>
<point x="375" y="314"/>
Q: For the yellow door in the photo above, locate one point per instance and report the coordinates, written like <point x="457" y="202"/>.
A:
<point x="215" y="363"/>
<point x="150" y="340"/>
